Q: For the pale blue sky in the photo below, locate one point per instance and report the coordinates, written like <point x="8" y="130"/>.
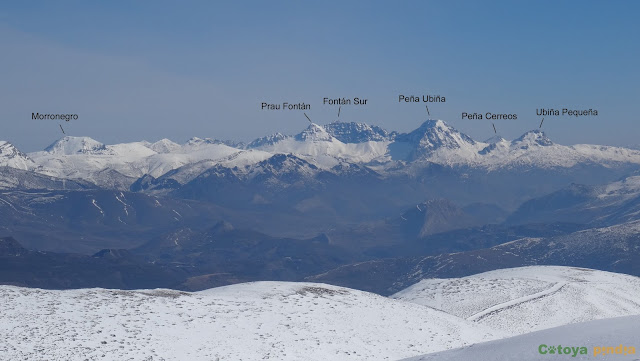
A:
<point x="155" y="69"/>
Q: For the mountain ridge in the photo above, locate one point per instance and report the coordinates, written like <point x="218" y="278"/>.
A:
<point x="387" y="153"/>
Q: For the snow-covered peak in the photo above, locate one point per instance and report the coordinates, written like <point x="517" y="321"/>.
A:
<point x="194" y="141"/>
<point x="495" y="143"/>
<point x="532" y="138"/>
<point x="282" y="165"/>
<point x="76" y="145"/>
<point x="435" y="134"/>
<point x="10" y="156"/>
<point x="164" y="146"/>
<point x="495" y="140"/>
<point x="314" y="133"/>
<point x="353" y="132"/>
<point x="8" y="150"/>
<point x="268" y="140"/>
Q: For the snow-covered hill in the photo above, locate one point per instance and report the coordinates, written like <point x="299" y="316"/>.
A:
<point x="613" y="248"/>
<point x="254" y="321"/>
<point x="611" y="332"/>
<point x="313" y="321"/>
<point x="521" y="300"/>
<point x="14" y="178"/>
<point x="608" y="204"/>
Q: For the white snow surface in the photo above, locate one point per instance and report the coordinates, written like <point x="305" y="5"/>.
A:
<point x="253" y="321"/>
<point x="525" y="299"/>
<point x="611" y="332"/>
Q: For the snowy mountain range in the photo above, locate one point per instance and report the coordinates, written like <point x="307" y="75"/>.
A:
<point x="338" y="143"/>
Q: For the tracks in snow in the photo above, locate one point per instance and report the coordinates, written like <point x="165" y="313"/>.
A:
<point x="497" y="308"/>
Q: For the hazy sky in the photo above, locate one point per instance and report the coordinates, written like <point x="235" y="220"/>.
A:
<point x="154" y="69"/>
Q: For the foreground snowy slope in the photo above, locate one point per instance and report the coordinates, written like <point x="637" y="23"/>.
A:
<point x="521" y="300"/>
<point x="253" y="321"/>
<point x="611" y="332"/>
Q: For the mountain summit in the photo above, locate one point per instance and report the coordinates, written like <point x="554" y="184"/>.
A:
<point x="314" y="133"/>
<point x="353" y="132"/>
<point x="267" y="140"/>
<point x="76" y="145"/>
<point x="10" y="156"/>
<point x="532" y="138"/>
<point x="164" y="146"/>
<point x="434" y="135"/>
